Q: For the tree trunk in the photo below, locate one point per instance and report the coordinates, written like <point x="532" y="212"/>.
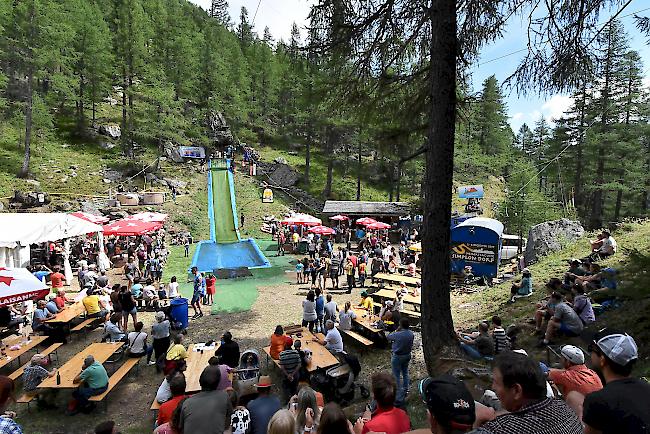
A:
<point x="24" y="170"/>
<point x="359" y="173"/>
<point x="329" y="140"/>
<point x="617" y="209"/>
<point x="438" y="334"/>
<point x="80" y="114"/>
<point x="125" y="86"/>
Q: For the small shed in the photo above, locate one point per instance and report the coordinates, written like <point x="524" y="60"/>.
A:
<point x="476" y="242"/>
<point x="353" y="209"/>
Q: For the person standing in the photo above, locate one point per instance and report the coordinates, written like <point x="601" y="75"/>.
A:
<point x="401" y="347"/>
<point x="199" y="284"/>
<point x="282" y="239"/>
<point x="160" y="331"/>
<point x="349" y="272"/>
<point x="263" y="407"/>
<point x="207" y="412"/>
<point x="56" y="279"/>
<point x="186" y="244"/>
<point x="210" y="289"/>
<point x="127" y="301"/>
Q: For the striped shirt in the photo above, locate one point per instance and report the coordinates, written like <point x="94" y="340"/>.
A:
<point x="501" y="340"/>
<point x="548" y="416"/>
<point x="289" y="360"/>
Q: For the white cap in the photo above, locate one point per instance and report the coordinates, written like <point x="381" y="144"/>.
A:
<point x="573" y="354"/>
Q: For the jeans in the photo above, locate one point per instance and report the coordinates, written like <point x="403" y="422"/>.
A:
<point x="470" y="351"/>
<point x="148" y="350"/>
<point x="400" y="367"/>
<point x="83" y="393"/>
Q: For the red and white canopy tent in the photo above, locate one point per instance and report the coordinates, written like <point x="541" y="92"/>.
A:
<point x="130" y="227"/>
<point x="18" y="284"/>
<point x="322" y="230"/>
<point x="156" y="217"/>
<point x="340" y="218"/>
<point x="378" y="226"/>
<point x="92" y="218"/>
<point x="300" y="219"/>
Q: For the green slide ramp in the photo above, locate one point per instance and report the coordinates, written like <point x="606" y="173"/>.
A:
<point x="222" y="199"/>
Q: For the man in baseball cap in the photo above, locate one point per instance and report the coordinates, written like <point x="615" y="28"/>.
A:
<point x="264" y="406"/>
<point x="574" y="376"/>
<point x="623" y="405"/>
<point x="450" y="406"/>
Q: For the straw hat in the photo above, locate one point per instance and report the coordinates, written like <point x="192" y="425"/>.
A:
<point x="265" y="381"/>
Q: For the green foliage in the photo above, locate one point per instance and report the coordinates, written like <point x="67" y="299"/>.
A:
<point x="493" y="132"/>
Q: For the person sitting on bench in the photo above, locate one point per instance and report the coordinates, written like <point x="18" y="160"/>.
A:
<point x="93" y="380"/>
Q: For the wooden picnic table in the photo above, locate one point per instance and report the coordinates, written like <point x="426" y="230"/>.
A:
<point x="68" y="314"/>
<point x="25" y="345"/>
<point x="320" y="356"/>
<point x="398" y="278"/>
<point x="196" y="363"/>
<point x="365" y="319"/>
<point x="100" y="351"/>
<point x="389" y="294"/>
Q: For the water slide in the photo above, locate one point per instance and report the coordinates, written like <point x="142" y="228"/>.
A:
<point x="223" y="217"/>
<point x="225" y="249"/>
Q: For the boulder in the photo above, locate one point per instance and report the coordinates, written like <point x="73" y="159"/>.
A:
<point x="112" y="175"/>
<point x="105" y="145"/>
<point x="551" y="236"/>
<point x="112" y="131"/>
<point x="218" y="129"/>
<point x="280" y="160"/>
<point x="171" y="151"/>
<point x="280" y="174"/>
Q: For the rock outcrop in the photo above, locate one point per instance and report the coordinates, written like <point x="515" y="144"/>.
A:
<point x="112" y="131"/>
<point x="551" y="236"/>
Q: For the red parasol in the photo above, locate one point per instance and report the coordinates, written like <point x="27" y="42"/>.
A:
<point x="149" y="217"/>
<point x="365" y="221"/>
<point x="92" y="218"/>
<point x="302" y="220"/>
<point x="18" y="284"/>
<point x="322" y="230"/>
<point x="127" y="227"/>
<point x="378" y="226"/>
<point x="340" y="218"/>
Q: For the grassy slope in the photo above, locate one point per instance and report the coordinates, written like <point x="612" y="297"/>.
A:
<point x="632" y="261"/>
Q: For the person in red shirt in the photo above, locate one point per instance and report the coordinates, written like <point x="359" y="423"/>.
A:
<point x="57" y="279"/>
<point x="386" y="418"/>
<point x="177" y="387"/>
<point x="575" y="376"/>
<point x="210" y="289"/>
<point x="60" y="299"/>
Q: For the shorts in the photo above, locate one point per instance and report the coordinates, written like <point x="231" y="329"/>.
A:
<point x="126" y="313"/>
<point x="195" y="298"/>
<point x="567" y="331"/>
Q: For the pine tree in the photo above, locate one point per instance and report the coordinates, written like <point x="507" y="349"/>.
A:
<point x="244" y="29"/>
<point x="219" y="11"/>
<point x="268" y="37"/>
<point x="524" y="139"/>
<point x="492" y="129"/>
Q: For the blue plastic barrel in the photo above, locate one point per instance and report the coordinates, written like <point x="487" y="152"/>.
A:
<point x="179" y="311"/>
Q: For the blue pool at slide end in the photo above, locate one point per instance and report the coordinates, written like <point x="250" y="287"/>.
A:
<point x="210" y="256"/>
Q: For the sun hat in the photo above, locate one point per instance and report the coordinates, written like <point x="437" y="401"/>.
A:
<point x="617" y="346"/>
<point x="525" y="271"/>
<point x="264" y="381"/>
<point x="573" y="354"/>
<point x="448" y="399"/>
<point x="389" y="303"/>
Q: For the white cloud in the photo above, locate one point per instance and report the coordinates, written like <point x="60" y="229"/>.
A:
<point x="555" y="107"/>
<point x="517" y="116"/>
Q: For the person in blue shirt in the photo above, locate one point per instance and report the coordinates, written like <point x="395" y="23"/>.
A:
<point x="524" y="288"/>
<point x="41" y="273"/>
<point x="136" y="288"/>
<point x="51" y="305"/>
<point x="401" y="341"/>
<point x="320" y="309"/>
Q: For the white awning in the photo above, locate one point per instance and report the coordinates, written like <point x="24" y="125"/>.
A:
<point x="30" y="228"/>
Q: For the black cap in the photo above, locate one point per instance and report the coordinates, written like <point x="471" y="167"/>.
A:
<point x="449" y="401"/>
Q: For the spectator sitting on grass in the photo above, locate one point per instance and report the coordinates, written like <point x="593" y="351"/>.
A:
<point x="575" y="270"/>
<point x="499" y="336"/>
<point x="479" y="347"/>
<point x="520" y="385"/>
<point x="565" y="321"/>
<point x="582" y="305"/>
<point x="524" y="288"/>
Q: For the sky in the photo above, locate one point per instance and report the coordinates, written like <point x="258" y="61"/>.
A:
<point x="278" y="15"/>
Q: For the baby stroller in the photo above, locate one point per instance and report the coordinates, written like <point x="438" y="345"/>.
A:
<point x="338" y="383"/>
<point x="247" y="374"/>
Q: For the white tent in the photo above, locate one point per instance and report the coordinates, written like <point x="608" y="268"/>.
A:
<point x="19" y="230"/>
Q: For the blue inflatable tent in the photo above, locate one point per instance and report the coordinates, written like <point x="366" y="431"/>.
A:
<point x="476" y="242"/>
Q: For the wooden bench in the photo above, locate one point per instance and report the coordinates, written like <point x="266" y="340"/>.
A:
<point x="117" y="376"/>
<point x="19" y="372"/>
<point x="83" y="324"/>
<point x="357" y="337"/>
<point x="411" y="313"/>
<point x="26" y="398"/>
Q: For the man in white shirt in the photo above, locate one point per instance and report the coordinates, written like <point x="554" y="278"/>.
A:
<point x="333" y="340"/>
<point x="609" y="246"/>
